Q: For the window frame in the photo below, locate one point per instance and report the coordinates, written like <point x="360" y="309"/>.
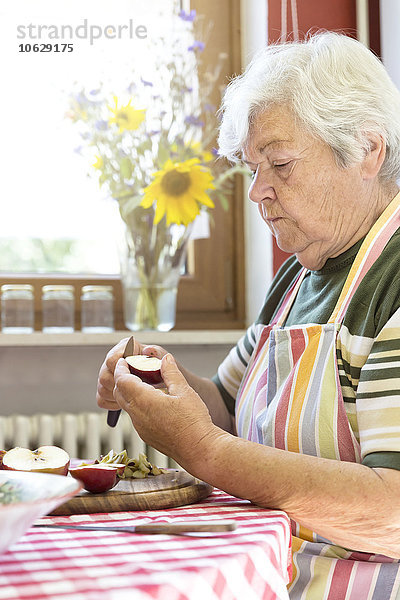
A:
<point x="212" y="294"/>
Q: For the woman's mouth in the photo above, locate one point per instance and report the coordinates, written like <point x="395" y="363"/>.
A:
<point x="269" y="219"/>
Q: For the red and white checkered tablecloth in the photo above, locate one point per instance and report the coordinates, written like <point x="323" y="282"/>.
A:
<point x="251" y="563"/>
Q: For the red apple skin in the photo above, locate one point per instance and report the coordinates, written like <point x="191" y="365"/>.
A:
<point x="96" y="478"/>
<point x="2" y="453"/>
<point x="150" y="377"/>
<point x="61" y="470"/>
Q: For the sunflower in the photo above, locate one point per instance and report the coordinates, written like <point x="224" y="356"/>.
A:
<point x="126" y="117"/>
<point x="179" y="190"/>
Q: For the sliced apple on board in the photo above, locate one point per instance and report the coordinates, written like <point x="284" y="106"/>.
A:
<point x="46" y="459"/>
<point x="148" y="368"/>
<point x="97" y="478"/>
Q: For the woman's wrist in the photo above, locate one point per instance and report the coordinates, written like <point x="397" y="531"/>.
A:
<point x="202" y="457"/>
<point x="210" y="459"/>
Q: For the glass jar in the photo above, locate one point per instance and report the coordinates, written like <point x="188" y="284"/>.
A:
<point x="58" y="307"/>
<point x="97" y="309"/>
<point x="17" y="308"/>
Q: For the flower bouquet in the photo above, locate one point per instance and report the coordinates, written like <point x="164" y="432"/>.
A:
<point x="152" y="149"/>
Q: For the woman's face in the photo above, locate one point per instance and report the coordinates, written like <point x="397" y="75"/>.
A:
<point x="313" y="207"/>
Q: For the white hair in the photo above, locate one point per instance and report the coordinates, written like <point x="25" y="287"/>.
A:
<point x="337" y="88"/>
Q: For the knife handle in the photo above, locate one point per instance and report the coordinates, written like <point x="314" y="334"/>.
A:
<point x="112" y="417"/>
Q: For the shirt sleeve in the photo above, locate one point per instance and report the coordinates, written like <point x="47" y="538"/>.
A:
<point x="231" y="370"/>
<point x="378" y="399"/>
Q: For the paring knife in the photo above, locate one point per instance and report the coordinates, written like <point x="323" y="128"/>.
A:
<point x="113" y="415"/>
<point x="163" y="528"/>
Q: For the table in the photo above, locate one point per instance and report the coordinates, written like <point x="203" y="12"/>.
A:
<point x="251" y="563"/>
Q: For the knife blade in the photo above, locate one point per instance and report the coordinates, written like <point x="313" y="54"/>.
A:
<point x="113" y="415"/>
<point x="153" y="528"/>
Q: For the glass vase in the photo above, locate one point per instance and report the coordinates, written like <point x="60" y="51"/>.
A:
<point x="151" y="266"/>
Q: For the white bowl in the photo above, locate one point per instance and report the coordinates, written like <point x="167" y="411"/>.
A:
<point x="24" y="497"/>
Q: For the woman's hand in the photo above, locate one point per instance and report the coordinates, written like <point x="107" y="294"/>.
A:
<point x="177" y="424"/>
<point x="105" y="383"/>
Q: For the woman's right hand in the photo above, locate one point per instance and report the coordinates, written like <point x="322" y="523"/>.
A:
<point x="105" y="382"/>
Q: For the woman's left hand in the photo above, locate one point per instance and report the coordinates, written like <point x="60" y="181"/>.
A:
<point x="177" y="424"/>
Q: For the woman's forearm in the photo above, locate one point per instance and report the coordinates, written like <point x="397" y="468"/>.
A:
<point x="350" y="504"/>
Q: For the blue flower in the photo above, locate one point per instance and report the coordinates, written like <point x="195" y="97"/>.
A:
<point x="101" y="125"/>
<point x="215" y="152"/>
<point x="192" y="120"/>
<point x="81" y="98"/>
<point x="196" y="46"/>
<point x="188" y="16"/>
<point x="146" y="83"/>
<point x="94" y="92"/>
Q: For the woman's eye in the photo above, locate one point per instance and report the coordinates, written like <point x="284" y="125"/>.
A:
<point x="282" y="165"/>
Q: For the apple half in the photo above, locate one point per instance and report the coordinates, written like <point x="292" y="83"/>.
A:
<point x="46" y="459"/>
<point x="148" y="368"/>
<point x="96" y="478"/>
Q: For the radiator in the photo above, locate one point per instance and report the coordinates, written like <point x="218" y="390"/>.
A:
<point x="83" y="435"/>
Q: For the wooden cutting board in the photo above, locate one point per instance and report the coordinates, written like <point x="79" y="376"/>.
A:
<point x="174" y="488"/>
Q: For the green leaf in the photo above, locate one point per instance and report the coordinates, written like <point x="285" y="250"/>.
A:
<point x="145" y="145"/>
<point x="125" y="193"/>
<point x="163" y="155"/>
<point x="126" y="167"/>
<point x="129" y="205"/>
<point x="102" y="179"/>
<point x="224" y="201"/>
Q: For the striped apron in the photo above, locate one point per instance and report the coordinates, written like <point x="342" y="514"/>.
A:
<point x="290" y="398"/>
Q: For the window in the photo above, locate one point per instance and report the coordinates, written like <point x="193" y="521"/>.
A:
<point x="211" y="293"/>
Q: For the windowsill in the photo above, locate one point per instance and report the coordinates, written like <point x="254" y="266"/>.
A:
<point x="179" y="337"/>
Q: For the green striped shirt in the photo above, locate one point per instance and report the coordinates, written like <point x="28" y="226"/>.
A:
<point x="368" y="344"/>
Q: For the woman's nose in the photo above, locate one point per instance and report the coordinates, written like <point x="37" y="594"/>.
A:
<point x="261" y="188"/>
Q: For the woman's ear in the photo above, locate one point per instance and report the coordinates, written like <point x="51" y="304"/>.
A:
<point x="372" y="163"/>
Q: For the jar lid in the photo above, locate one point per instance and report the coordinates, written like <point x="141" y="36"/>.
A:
<point x="17" y="287"/>
<point x="97" y="288"/>
<point x="58" y="288"/>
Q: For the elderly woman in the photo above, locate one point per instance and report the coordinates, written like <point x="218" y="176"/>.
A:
<point x="304" y="414"/>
